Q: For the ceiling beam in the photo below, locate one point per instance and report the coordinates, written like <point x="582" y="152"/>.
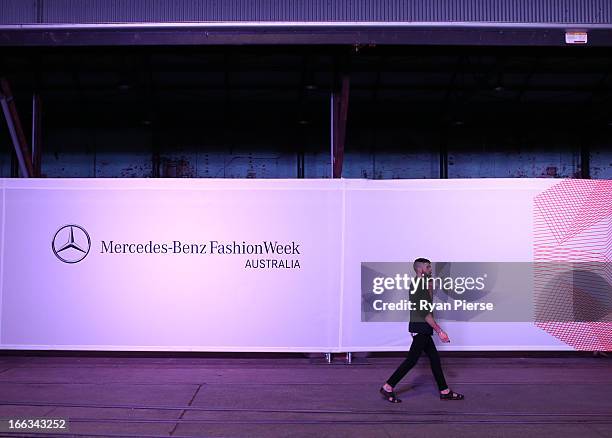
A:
<point x="428" y="34"/>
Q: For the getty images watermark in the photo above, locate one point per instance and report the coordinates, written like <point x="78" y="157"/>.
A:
<point x="488" y="291"/>
<point x="405" y="282"/>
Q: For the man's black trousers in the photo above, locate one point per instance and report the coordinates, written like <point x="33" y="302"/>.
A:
<point x="420" y="342"/>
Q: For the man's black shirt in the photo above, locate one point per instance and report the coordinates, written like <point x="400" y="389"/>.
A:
<point x="417" y="315"/>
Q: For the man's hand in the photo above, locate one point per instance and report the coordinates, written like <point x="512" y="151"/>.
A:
<point x="443" y="336"/>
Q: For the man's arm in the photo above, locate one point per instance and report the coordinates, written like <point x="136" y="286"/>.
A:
<point x="434" y="325"/>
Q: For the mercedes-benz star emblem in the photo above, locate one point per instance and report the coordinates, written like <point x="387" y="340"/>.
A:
<point x="71" y="244"/>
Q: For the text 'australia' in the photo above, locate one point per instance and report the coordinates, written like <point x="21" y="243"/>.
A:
<point x="272" y="264"/>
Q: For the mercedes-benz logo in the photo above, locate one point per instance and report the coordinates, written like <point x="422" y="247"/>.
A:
<point x="71" y="244"/>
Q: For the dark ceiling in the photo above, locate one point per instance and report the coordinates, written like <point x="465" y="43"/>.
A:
<point x="233" y="88"/>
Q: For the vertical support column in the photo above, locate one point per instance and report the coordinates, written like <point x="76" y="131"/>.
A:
<point x="14" y="165"/>
<point x="585" y="162"/>
<point x="36" y="135"/>
<point x="332" y="132"/>
<point x="339" y="115"/>
<point x="444" y="155"/>
<point x="20" y="143"/>
<point x="443" y="161"/>
<point x="300" y="164"/>
<point x="155" y="156"/>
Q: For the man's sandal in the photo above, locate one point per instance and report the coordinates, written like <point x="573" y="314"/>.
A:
<point x="390" y="396"/>
<point x="451" y="396"/>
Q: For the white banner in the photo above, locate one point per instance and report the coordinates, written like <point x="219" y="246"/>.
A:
<point x="204" y="265"/>
<point x="244" y="265"/>
<point x="464" y="220"/>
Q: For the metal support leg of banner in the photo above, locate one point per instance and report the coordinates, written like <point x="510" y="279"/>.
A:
<point x="328" y="357"/>
<point x="349" y="357"/>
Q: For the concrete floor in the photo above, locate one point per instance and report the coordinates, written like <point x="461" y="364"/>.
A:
<point x="301" y="396"/>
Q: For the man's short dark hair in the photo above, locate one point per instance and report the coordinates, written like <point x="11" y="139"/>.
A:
<point x="420" y="260"/>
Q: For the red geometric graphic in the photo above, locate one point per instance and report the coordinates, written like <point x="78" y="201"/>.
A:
<point x="573" y="224"/>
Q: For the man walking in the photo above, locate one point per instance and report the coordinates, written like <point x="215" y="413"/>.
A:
<point x="421" y="327"/>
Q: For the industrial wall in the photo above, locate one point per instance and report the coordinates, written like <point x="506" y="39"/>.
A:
<point x="78" y="152"/>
